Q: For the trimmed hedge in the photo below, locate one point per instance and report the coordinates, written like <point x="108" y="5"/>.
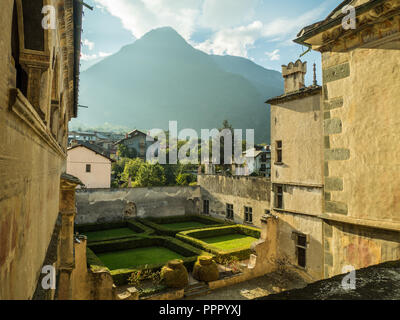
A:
<point x="93" y="262"/>
<point x="194" y="237"/>
<point x="157" y="223"/>
<point x="139" y="228"/>
<point x="121" y="276"/>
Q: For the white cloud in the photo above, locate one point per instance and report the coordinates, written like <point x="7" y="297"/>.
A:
<point x="88" y="57"/>
<point x="95" y="56"/>
<point x="233" y="41"/>
<point x="88" y="44"/>
<point x="232" y="22"/>
<point x="274" y="55"/>
<point x="237" y="41"/>
<point x="141" y="16"/>
<point x="217" y="14"/>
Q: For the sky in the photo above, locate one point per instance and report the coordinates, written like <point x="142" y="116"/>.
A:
<point x="260" y="30"/>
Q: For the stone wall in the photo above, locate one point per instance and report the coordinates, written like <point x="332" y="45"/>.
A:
<point x="108" y="205"/>
<point x="33" y="133"/>
<point x="240" y="191"/>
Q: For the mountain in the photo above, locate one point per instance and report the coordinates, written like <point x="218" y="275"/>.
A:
<point x="160" y="77"/>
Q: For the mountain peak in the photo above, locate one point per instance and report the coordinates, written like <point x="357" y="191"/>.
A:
<point x="163" y="34"/>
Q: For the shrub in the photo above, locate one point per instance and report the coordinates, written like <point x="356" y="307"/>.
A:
<point x="205" y="269"/>
<point x="175" y="275"/>
<point x="194" y="237"/>
<point x="184" y="179"/>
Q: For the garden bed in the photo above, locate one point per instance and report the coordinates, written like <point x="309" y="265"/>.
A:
<point x="124" y="256"/>
<point x="170" y="226"/>
<point x="226" y="241"/>
<point x="114" y="231"/>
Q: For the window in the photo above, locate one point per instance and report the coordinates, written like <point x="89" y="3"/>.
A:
<point x="301" y="247"/>
<point x="248" y="214"/>
<point x="279" y="197"/>
<point x="229" y="211"/>
<point x="279" y="151"/>
<point x="206" y="206"/>
<point x="88" y="168"/>
<point x="264" y="157"/>
<point x="21" y="77"/>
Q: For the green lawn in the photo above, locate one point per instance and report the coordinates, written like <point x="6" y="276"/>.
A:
<point x="184" y="225"/>
<point x="230" y="241"/>
<point x="109" y="234"/>
<point x="137" y="257"/>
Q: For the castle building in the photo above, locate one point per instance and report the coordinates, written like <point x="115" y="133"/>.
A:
<point x="335" y="149"/>
<point x="39" y="64"/>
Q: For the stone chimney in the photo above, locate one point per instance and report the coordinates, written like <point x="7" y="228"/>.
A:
<point x="294" y="74"/>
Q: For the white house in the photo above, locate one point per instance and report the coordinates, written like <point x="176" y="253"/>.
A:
<point x="89" y="164"/>
<point x="257" y="160"/>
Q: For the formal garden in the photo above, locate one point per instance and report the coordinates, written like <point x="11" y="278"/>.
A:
<point x="157" y="254"/>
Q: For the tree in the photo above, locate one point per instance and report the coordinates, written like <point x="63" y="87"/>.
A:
<point x="125" y="152"/>
<point x="185" y="179"/>
<point x="150" y="175"/>
<point x="117" y="169"/>
<point x="131" y="169"/>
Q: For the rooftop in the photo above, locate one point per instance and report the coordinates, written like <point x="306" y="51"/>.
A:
<point x="380" y="282"/>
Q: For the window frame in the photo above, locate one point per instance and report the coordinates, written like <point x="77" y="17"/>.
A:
<point x="229" y="211"/>
<point x="248" y="214"/>
<point x="279" y="148"/>
<point x="88" y="168"/>
<point x="279" y="196"/>
<point x="300" y="247"/>
<point x="206" y="201"/>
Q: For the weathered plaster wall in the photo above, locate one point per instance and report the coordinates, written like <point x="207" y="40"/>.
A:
<point x="30" y="169"/>
<point x="106" y="205"/>
<point x="347" y="244"/>
<point x="240" y="191"/>
<point x="312" y="228"/>
<point x="100" y="173"/>
<point x="298" y="124"/>
<point x="362" y="153"/>
<point x="301" y="199"/>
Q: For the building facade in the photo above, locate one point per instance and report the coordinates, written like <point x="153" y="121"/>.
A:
<point x="339" y="206"/>
<point x="297" y="177"/>
<point x="239" y="199"/>
<point x="87" y="163"/>
<point x="136" y="143"/>
<point x="38" y="96"/>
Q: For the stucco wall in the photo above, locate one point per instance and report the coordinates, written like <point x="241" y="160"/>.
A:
<point x="312" y="228"/>
<point x="100" y="173"/>
<point x="298" y="124"/>
<point x="358" y="246"/>
<point x="364" y="154"/>
<point x="106" y="205"/>
<point x="240" y="191"/>
<point x="30" y="168"/>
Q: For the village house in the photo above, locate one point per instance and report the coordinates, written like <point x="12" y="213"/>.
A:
<point x="137" y="143"/>
<point x="257" y="161"/>
<point x="91" y="164"/>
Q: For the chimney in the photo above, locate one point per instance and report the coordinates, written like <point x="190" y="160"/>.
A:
<point x="294" y="74"/>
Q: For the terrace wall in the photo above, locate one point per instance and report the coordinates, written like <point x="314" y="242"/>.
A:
<point x="111" y="205"/>
<point x="240" y="191"/>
